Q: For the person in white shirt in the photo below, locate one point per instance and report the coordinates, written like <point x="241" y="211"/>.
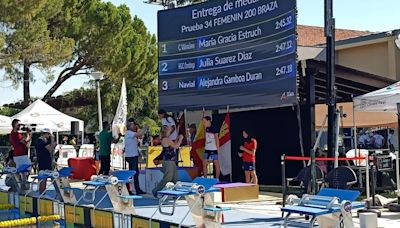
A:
<point x="132" y="153"/>
<point x="378" y="140"/>
<point x="211" y="148"/>
<point x="167" y="120"/>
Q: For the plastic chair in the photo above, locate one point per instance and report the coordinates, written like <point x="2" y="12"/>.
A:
<point x="302" y="181"/>
<point x="341" y="177"/>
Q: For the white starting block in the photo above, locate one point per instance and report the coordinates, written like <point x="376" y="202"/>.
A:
<point x="60" y="181"/>
<point x="17" y="181"/>
<point x="330" y="208"/>
<point x="115" y="185"/>
<point x="199" y="195"/>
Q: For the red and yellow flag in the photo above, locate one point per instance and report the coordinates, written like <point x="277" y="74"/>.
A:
<point x="224" y="156"/>
<point x="198" y="145"/>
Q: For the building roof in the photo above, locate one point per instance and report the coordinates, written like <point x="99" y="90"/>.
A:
<point x="349" y="82"/>
<point x="314" y="35"/>
<point x="371" y="38"/>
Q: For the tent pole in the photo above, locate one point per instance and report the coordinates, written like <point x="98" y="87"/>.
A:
<point x="397" y="154"/>
<point x="336" y="163"/>
<point x="355" y="134"/>
<point x="83" y="133"/>
<point x="57" y="137"/>
<point x="300" y="131"/>
<point x="330" y="69"/>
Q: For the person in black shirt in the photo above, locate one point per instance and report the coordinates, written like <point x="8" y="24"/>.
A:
<point x="169" y="158"/>
<point x="44" y="147"/>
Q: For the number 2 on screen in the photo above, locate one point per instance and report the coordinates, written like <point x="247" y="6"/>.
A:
<point x="164" y="67"/>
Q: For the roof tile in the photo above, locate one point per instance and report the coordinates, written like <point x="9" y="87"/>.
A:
<point x="314" y="35"/>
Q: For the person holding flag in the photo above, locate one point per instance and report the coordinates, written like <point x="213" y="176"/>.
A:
<point x="211" y="149"/>
<point x="248" y="153"/>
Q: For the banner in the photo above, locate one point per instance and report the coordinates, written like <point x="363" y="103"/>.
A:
<point x="198" y="145"/>
<point x="119" y="122"/>
<point x="224" y="156"/>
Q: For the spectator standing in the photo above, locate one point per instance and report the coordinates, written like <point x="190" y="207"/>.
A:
<point x="105" y="141"/>
<point x="370" y="140"/>
<point x="87" y="140"/>
<point x="378" y="140"/>
<point x="65" y="140"/>
<point x="20" y="144"/>
<point x="132" y="153"/>
<point x="73" y="141"/>
<point x="44" y="147"/>
<point x="323" y="165"/>
<point x="362" y="140"/>
<point x="390" y="140"/>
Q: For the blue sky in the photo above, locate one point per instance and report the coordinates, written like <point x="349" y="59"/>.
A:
<point x="368" y="15"/>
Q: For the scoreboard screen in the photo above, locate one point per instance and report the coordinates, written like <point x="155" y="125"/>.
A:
<point x="236" y="53"/>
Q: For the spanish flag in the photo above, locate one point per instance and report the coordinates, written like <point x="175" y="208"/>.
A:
<point x="224" y="156"/>
<point x="198" y="145"/>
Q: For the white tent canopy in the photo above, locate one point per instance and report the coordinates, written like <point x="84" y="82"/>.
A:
<point x="5" y="124"/>
<point x="382" y="100"/>
<point x="46" y="116"/>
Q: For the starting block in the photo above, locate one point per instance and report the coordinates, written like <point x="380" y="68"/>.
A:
<point x="115" y="185"/>
<point x="60" y="181"/>
<point x="199" y="195"/>
<point x="16" y="180"/>
<point x="330" y="208"/>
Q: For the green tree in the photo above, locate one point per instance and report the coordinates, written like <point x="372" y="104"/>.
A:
<point x="12" y="11"/>
<point x="102" y="33"/>
<point x="28" y="43"/>
<point x="6" y="111"/>
<point x="140" y="77"/>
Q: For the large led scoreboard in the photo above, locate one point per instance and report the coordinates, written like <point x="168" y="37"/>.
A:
<point x="237" y="53"/>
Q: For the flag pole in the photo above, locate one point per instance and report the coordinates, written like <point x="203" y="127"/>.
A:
<point x="230" y="176"/>
<point x="184" y="125"/>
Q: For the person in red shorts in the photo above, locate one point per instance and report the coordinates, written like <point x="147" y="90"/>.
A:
<point x="248" y="153"/>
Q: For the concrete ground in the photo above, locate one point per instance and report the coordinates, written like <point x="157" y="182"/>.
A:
<point x="268" y="207"/>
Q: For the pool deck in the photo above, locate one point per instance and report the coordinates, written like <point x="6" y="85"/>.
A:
<point x="264" y="212"/>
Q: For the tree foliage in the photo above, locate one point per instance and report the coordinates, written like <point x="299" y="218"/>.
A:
<point x="6" y="111"/>
<point x="29" y="43"/>
<point x="102" y="33"/>
<point x="82" y="36"/>
<point x="12" y="11"/>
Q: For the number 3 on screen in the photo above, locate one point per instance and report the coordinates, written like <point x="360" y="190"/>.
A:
<point x="164" y="86"/>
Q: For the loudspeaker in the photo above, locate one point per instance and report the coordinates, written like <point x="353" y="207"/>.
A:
<point x="74" y="128"/>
